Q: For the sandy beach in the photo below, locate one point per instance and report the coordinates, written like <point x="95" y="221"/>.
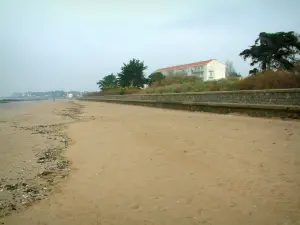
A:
<point x="32" y="141"/>
<point x="74" y="163"/>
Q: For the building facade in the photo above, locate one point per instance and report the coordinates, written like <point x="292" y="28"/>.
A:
<point x="207" y="70"/>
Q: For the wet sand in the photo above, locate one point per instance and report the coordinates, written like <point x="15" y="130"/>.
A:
<point x="137" y="165"/>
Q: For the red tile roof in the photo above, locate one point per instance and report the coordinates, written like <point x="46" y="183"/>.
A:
<point x="185" y="65"/>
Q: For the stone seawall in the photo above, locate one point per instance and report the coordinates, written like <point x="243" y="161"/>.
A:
<point x="283" y="103"/>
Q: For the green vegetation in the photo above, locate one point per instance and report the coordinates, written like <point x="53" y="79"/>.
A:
<point x="155" y="77"/>
<point x="109" y="81"/>
<point x="132" y="74"/>
<point x="118" y="91"/>
<point x="182" y="83"/>
<point x="131" y="77"/>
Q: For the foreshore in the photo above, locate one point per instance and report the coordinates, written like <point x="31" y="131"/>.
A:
<point x="96" y="163"/>
<point x="33" y="139"/>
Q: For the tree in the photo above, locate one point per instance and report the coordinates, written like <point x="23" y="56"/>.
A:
<point x="132" y="74"/>
<point x="230" y="70"/>
<point x="274" y="51"/>
<point x="253" y="71"/>
<point x="108" y="81"/>
<point x="155" y="77"/>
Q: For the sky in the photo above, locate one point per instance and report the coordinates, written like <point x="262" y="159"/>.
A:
<point x="70" y="44"/>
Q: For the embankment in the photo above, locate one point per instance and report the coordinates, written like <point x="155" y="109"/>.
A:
<point x="283" y="103"/>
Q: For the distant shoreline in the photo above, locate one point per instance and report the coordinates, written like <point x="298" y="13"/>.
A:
<point x="8" y="100"/>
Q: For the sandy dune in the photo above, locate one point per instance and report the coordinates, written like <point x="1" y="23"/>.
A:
<point x="136" y="165"/>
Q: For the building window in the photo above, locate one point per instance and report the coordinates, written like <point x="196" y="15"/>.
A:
<point x="198" y="69"/>
<point x="211" y="75"/>
<point x="181" y="71"/>
<point x="171" y="72"/>
<point x="201" y="74"/>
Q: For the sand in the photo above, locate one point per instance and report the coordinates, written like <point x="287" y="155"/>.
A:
<point x="137" y="165"/>
<point x="32" y="141"/>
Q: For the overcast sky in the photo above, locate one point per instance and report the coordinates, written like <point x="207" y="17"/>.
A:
<point x="71" y="44"/>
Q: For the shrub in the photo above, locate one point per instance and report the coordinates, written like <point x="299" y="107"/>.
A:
<point x="179" y="84"/>
<point x="89" y="94"/>
<point x="263" y="80"/>
<point x="228" y="84"/>
<point x="270" y="80"/>
<point x="115" y="91"/>
<point x="155" y="77"/>
<point x="179" y="79"/>
<point x="120" y="91"/>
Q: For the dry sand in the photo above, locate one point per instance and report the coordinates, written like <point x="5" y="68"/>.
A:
<point x="136" y="165"/>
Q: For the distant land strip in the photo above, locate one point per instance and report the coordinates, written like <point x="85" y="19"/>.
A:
<point x="8" y="100"/>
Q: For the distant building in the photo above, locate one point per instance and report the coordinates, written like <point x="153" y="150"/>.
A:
<point x="206" y="70"/>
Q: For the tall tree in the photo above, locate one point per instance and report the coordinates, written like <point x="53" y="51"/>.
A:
<point x="108" y="81"/>
<point x="274" y="50"/>
<point x="230" y="70"/>
<point x="132" y="74"/>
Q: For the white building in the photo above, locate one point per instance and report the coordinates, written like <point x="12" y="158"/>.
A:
<point x="207" y="70"/>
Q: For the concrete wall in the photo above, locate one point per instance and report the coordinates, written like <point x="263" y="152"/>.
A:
<point x="266" y="97"/>
<point x="266" y="103"/>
